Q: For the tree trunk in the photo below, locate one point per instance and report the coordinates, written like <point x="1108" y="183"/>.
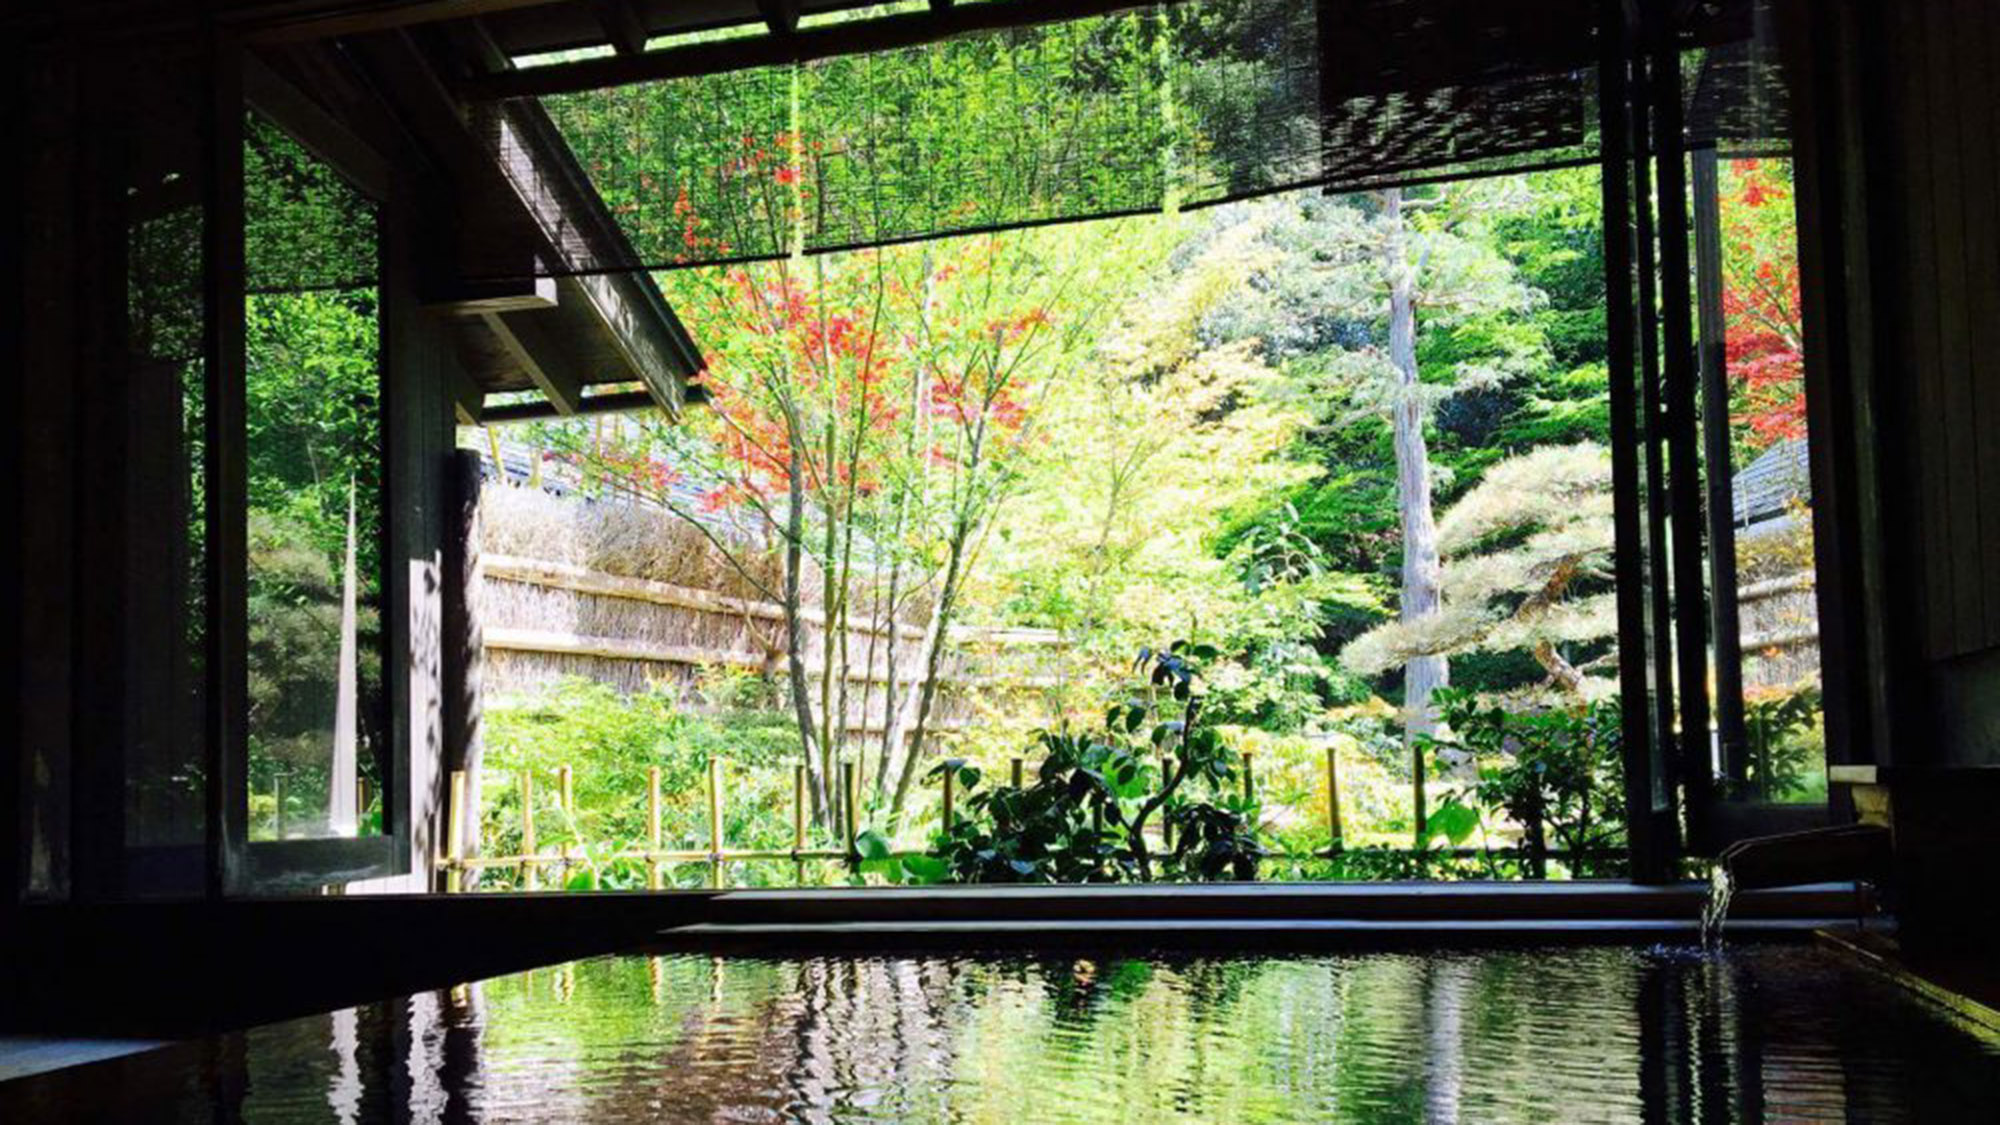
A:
<point x="934" y="644"/>
<point x="1423" y="574"/>
<point x="795" y="640"/>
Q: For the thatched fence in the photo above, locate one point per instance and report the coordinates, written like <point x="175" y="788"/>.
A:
<point x="643" y="599"/>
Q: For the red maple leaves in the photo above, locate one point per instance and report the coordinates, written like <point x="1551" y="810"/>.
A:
<point x="1763" y="336"/>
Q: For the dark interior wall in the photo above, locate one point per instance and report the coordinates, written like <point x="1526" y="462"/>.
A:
<point x="97" y="455"/>
<point x="1932" y="68"/>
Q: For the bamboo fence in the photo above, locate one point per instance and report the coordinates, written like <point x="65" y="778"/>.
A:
<point x="533" y="861"/>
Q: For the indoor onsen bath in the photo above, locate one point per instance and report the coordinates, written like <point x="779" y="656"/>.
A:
<point x="1621" y="1033"/>
<point x="1002" y="560"/>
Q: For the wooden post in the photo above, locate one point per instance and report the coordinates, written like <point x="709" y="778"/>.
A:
<point x="1419" y="800"/>
<point x="1537" y="840"/>
<point x="715" y="874"/>
<point x="1020" y="771"/>
<point x="278" y="805"/>
<point x="1249" y="778"/>
<point x="798" y="824"/>
<point x="1166" y="826"/>
<point x="950" y="787"/>
<point x="530" y="877"/>
<point x="454" y="841"/>
<point x="847" y="784"/>
<point x="566" y="799"/>
<point x="1333" y="795"/>
<point x="463" y="641"/>
<point x="653" y="827"/>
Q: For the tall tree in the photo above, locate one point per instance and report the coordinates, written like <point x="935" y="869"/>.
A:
<point x="1423" y="573"/>
<point x="1529" y="549"/>
<point x="1357" y="289"/>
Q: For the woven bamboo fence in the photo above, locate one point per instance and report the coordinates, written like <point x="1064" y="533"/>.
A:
<point x="642" y="599"/>
<point x="1780" y="628"/>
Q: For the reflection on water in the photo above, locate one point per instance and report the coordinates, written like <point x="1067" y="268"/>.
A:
<point x="1537" y="1036"/>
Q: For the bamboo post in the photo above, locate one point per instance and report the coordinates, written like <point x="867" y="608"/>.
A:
<point x="1166" y="826"/>
<point x="950" y="787"/>
<point x="1333" y="796"/>
<point x="530" y="877"/>
<point x="798" y="825"/>
<point x="847" y="795"/>
<point x="454" y="846"/>
<point x="1249" y="777"/>
<point x="566" y="797"/>
<point x="1537" y="841"/>
<point x="1020" y="771"/>
<point x="715" y="874"/>
<point x="653" y="827"/>
<point x="1419" y="800"/>
<point x="278" y="805"/>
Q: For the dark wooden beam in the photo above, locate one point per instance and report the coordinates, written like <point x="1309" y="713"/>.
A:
<point x="618" y="402"/>
<point x="468" y="398"/>
<point x="372" y="16"/>
<point x="622" y="28"/>
<point x="655" y="347"/>
<point x="324" y="135"/>
<point x="477" y="298"/>
<point x="781" y="16"/>
<point x="858" y="37"/>
<point x="541" y="356"/>
<point x="550" y="206"/>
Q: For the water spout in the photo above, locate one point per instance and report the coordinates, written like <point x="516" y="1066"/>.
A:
<point x="1715" y="911"/>
<point x="1851" y="852"/>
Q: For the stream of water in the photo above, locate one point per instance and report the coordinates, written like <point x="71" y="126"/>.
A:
<point x="1715" y="911"/>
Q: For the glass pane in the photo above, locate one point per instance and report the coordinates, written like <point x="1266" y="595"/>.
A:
<point x="164" y="790"/>
<point x="317" y="729"/>
<point x="1779" y="751"/>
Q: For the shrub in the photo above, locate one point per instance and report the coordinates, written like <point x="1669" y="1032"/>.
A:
<point x="1085" y="818"/>
<point x="1557" y="773"/>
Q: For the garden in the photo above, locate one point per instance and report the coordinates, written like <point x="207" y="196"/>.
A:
<point x="1313" y="490"/>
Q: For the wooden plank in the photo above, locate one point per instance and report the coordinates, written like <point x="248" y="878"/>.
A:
<point x="482" y="298"/>
<point x="619" y="402"/>
<point x="1959" y="537"/>
<point x="781" y="16"/>
<point x="1650" y="856"/>
<point x="655" y="347"/>
<point x="226" y="486"/>
<point x="541" y="356"/>
<point x="378" y="15"/>
<point x="858" y="37"/>
<point x="322" y="134"/>
<point x="1979" y="122"/>
<point x="1918" y="278"/>
<point x="621" y="25"/>
<point x="1683" y="445"/>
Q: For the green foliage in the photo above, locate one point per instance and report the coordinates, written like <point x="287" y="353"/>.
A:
<point x="609" y="741"/>
<point x="1557" y="770"/>
<point x="1787" y="745"/>
<point x="1084" y="819"/>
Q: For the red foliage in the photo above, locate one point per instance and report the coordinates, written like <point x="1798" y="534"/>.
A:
<point x="1763" y="336"/>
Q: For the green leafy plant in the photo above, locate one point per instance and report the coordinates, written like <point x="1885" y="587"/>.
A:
<point x="1555" y="772"/>
<point x="1783" y="747"/>
<point x="1085" y="817"/>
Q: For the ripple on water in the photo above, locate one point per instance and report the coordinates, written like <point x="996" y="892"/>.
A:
<point x="1569" y="1035"/>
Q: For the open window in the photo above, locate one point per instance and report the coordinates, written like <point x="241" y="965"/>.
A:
<point x="1723" y="645"/>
